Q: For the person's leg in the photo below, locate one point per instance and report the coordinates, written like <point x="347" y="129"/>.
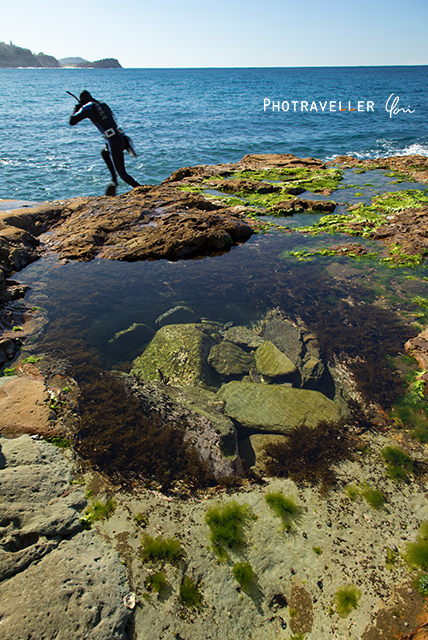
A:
<point x="116" y="151"/>
<point x="107" y="159"/>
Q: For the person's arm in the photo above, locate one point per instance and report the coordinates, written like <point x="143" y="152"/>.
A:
<point x="80" y="113"/>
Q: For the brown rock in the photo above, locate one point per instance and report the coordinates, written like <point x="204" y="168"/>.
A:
<point x="418" y="348"/>
<point x="24" y="408"/>
<point x="148" y="222"/>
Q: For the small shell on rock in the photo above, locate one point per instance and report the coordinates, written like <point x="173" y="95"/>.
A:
<point x="129" y="600"/>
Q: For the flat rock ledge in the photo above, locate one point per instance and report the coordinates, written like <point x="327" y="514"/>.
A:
<point x="56" y="580"/>
<point x="169" y="221"/>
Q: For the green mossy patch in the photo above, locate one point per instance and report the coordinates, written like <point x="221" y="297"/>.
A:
<point x="160" y="548"/>
<point x="226" y="523"/>
<point x="285" y="507"/>
<point x="416" y="553"/>
<point x="400" y="200"/>
<point x="346" y="600"/>
<point x="244" y="575"/>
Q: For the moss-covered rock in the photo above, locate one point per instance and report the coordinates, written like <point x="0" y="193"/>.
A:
<point x="275" y="408"/>
<point x="178" y="353"/>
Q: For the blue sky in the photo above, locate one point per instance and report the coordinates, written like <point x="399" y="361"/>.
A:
<point x="234" y="33"/>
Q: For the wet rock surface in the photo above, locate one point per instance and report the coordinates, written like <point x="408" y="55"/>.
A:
<point x="55" y="579"/>
<point x="299" y="344"/>
<point x="229" y="359"/>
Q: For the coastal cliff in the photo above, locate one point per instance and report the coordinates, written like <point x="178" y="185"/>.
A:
<point x="12" y="56"/>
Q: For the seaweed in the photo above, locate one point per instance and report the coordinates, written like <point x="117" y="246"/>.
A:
<point x="373" y="497"/>
<point x="189" y="593"/>
<point x="97" y="511"/>
<point x="226" y="523"/>
<point x="309" y="453"/>
<point x="156" y="581"/>
<point x="363" y="335"/>
<point x="346" y="600"/>
<point x="416" y="554"/>
<point x="284" y="507"/>
<point x="244" y="575"/>
<point x="160" y="548"/>
<point x="117" y="438"/>
<point x="398" y="463"/>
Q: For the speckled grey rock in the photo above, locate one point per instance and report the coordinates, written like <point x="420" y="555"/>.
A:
<point x="56" y="581"/>
<point x="242" y="335"/>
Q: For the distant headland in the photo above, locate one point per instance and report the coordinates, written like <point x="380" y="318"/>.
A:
<point x="12" y="56"/>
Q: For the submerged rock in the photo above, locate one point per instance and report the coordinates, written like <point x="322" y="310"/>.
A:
<point x="243" y="336"/>
<point x="129" y="339"/>
<point x="201" y="412"/>
<point x="299" y="345"/>
<point x="178" y="354"/>
<point x="271" y="362"/>
<point x="229" y="359"/>
<point x="275" y="408"/>
<point x="252" y="448"/>
<point x="177" y="315"/>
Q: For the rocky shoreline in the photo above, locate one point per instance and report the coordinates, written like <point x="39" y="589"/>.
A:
<point x="233" y="390"/>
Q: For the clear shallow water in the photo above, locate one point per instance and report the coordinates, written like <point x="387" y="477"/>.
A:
<point x="97" y="299"/>
<point x="180" y="117"/>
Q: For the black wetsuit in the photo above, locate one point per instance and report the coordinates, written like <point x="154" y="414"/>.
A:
<point x="117" y="142"/>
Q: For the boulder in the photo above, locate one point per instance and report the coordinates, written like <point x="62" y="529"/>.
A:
<point x="275" y="408"/>
<point x="228" y="359"/>
<point x="252" y="448"/>
<point x="271" y="362"/>
<point x="178" y="354"/>
<point x="24" y="407"/>
<point x="300" y="345"/>
<point x="55" y="579"/>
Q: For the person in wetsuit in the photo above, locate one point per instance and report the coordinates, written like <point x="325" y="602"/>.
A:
<point x="116" y="141"/>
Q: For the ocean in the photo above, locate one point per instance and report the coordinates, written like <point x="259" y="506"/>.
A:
<point x="181" y="117"/>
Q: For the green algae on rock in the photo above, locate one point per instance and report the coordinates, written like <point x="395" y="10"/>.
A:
<point x="275" y="408"/>
<point x="271" y="362"/>
<point x="178" y="353"/>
